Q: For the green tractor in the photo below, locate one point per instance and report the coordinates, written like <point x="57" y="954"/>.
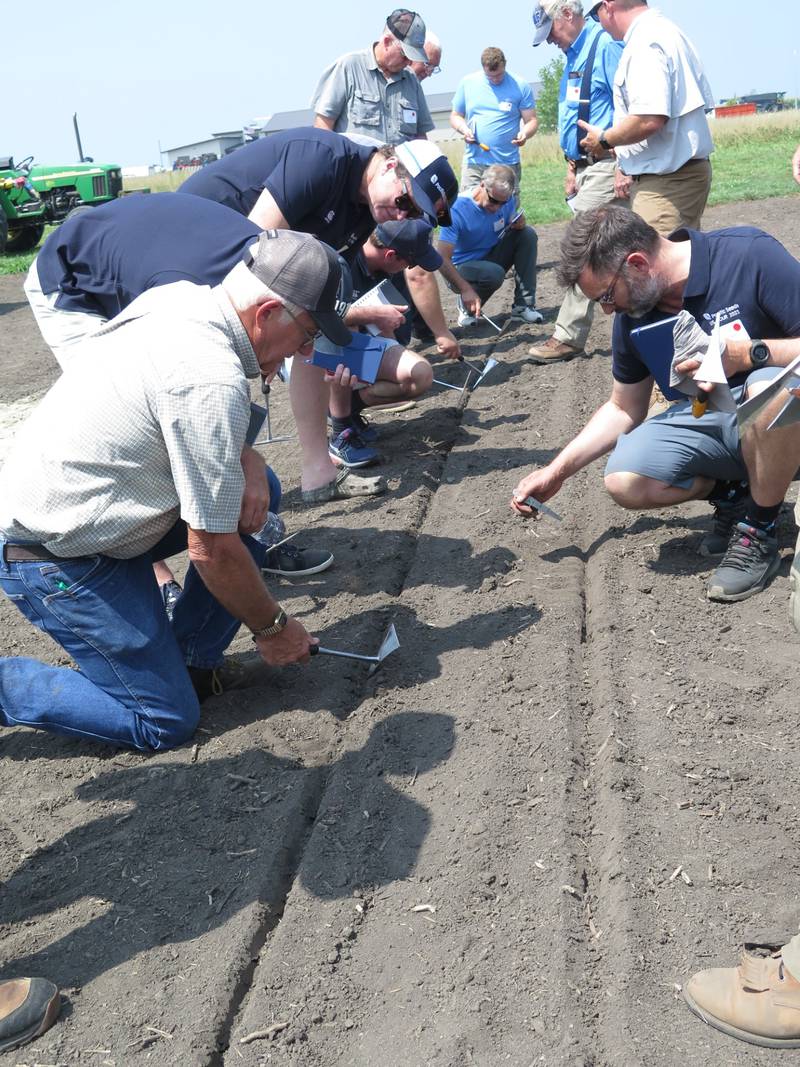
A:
<point x="23" y="213"/>
<point x="63" y="187"/>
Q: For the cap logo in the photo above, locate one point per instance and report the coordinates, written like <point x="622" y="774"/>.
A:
<point x="435" y="179"/>
<point x="538" y="17"/>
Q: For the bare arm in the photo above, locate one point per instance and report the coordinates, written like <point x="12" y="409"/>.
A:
<point x="530" y="124"/>
<point x="460" y="125"/>
<point x="448" y="270"/>
<point x="255" y="499"/>
<point x="625" y="409"/>
<point x="736" y="357"/>
<point x="630" y="130"/>
<point x="230" y="575"/>
<point x="267" y="214"/>
<point x="425" y="294"/>
<point x="796" y="164"/>
<point x="324" y="122"/>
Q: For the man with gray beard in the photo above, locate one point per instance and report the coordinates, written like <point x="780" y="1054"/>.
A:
<point x="741" y="274"/>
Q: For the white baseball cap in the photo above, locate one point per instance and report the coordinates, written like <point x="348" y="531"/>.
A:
<point x="541" y="22"/>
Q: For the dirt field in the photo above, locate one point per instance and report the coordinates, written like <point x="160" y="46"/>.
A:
<point x="466" y="858"/>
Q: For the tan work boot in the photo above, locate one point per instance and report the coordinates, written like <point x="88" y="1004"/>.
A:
<point x="658" y="403"/>
<point x="28" y="1007"/>
<point x="794" y="576"/>
<point x="553" y="351"/>
<point x="758" y="1001"/>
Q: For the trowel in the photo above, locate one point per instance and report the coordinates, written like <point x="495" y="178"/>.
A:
<point x="389" y="644"/>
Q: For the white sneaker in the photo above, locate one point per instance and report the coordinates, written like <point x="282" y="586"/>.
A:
<point x="527" y="314"/>
<point x="464" y="317"/>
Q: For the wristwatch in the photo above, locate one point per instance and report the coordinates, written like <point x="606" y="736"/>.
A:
<point x="277" y="625"/>
<point x="603" y="142"/>
<point x="759" y="354"/>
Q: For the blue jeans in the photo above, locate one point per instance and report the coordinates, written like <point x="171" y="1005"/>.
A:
<point x="132" y="687"/>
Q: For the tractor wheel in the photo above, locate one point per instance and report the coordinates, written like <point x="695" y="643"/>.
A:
<point x="26" y="238"/>
<point x="3" y="231"/>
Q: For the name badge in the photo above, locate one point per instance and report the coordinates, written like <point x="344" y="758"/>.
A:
<point x="733" y="331"/>
<point x="409" y="115"/>
<point x="505" y="105"/>
<point x="573" y="93"/>
<point x="499" y="224"/>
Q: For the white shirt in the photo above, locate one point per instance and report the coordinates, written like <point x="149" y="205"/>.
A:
<point x="145" y="427"/>
<point x="660" y="73"/>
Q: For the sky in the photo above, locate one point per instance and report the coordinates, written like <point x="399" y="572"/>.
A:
<point x="146" y="76"/>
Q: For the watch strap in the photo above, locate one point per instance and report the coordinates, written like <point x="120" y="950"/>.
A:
<point x="275" y="627"/>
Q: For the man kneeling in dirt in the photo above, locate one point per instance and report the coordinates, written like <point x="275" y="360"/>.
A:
<point x="747" y="276"/>
<point x="135" y="451"/>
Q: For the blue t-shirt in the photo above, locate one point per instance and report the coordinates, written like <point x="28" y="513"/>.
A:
<point x="475" y="231"/>
<point x="493" y="113"/>
<point x="102" y="259"/>
<point x="601" y="93"/>
<point x="314" y="176"/>
<point x="743" y="273"/>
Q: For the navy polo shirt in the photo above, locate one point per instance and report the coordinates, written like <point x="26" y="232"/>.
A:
<point x="102" y="259"/>
<point x="357" y="280"/>
<point x="741" y="272"/>
<point x="314" y="176"/>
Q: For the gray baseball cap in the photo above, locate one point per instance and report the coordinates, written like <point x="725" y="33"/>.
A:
<point x="542" y="22"/>
<point x="306" y="272"/>
<point x="409" y="29"/>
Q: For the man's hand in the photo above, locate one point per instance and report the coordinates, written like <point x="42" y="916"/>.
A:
<point x="570" y="183"/>
<point x="591" y="142"/>
<point x="448" y="346"/>
<point x="471" y="300"/>
<point x="542" y="484"/>
<point x="519" y="140"/>
<point x="387" y="317"/>
<point x="291" y="645"/>
<point x="344" y="377"/>
<point x="255" y="499"/>
<point x="622" y="185"/>
<point x="796" y="164"/>
<point x="469" y="136"/>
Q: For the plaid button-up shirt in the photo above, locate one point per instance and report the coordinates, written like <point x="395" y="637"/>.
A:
<point x="146" y="425"/>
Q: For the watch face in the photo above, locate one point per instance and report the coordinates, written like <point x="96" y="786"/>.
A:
<point x="759" y="353"/>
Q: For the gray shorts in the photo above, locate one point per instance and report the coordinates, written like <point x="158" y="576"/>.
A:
<point x="675" y="448"/>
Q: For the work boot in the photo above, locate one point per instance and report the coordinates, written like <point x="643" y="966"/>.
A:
<point x="28" y="1007"/>
<point x="658" y="405"/>
<point x="553" y="351"/>
<point x="794" y="577"/>
<point x="726" y="514"/>
<point x="758" y="1001"/>
<point x="751" y="560"/>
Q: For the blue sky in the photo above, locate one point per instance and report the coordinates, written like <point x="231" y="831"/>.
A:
<point x="145" y="73"/>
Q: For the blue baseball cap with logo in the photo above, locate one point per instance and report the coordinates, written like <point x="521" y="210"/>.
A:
<point x="432" y="178"/>
<point x="410" y="239"/>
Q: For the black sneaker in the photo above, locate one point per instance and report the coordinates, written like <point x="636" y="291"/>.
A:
<point x="726" y="515"/>
<point x="170" y="591"/>
<point x="751" y="560"/>
<point x="288" y="561"/>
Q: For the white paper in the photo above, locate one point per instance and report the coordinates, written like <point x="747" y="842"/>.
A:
<point x="376" y="297"/>
<point x="711" y="370"/>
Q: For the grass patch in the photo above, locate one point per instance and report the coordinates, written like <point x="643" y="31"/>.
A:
<point x="752" y="161"/>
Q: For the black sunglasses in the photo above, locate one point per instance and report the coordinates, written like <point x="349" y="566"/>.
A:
<point x="405" y="202"/>
<point x="493" y="199"/>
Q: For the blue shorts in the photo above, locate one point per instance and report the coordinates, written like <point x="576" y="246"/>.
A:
<point x="675" y="448"/>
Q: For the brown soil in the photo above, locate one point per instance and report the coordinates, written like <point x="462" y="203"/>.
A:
<point x="568" y="720"/>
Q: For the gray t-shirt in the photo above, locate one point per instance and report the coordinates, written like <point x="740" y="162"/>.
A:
<point x="146" y="427"/>
<point x="355" y="93"/>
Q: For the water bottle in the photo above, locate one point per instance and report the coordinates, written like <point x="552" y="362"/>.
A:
<point x="272" y="531"/>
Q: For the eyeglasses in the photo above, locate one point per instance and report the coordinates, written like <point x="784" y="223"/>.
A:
<point x="310" y="337"/>
<point x="493" y="199"/>
<point x="432" y="69"/>
<point x="405" y="202"/>
<point x="608" y="296"/>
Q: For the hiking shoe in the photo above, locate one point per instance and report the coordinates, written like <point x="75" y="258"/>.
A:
<point x="751" y="560"/>
<point x="350" y="450"/>
<point x="366" y="431"/>
<point x="345" y="486"/>
<point x="758" y="1001"/>
<point x="28" y="1007"/>
<point x="464" y="317"/>
<point x="214" y="681"/>
<point x="658" y="404"/>
<point x="288" y="561"/>
<point x="553" y="351"/>
<point x="170" y="591"/>
<point x="526" y="313"/>
<point x="726" y="515"/>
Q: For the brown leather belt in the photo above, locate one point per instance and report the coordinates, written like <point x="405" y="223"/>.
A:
<point x="29" y="554"/>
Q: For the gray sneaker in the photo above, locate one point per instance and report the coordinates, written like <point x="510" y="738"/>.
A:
<point x="751" y="560"/>
<point x="726" y="515"/>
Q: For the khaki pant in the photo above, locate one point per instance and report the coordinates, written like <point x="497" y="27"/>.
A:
<point x="668" y="201"/>
<point x="791" y="956"/>
<point x="595" y="188"/>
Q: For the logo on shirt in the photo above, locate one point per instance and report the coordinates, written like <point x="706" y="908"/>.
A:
<point x="731" y="313"/>
<point x="330" y="216"/>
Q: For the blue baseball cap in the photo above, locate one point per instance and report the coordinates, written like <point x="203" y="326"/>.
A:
<point x="411" y="239"/>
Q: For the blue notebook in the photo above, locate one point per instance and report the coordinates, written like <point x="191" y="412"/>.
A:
<point x="363" y="356"/>
<point x="656" y="349"/>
